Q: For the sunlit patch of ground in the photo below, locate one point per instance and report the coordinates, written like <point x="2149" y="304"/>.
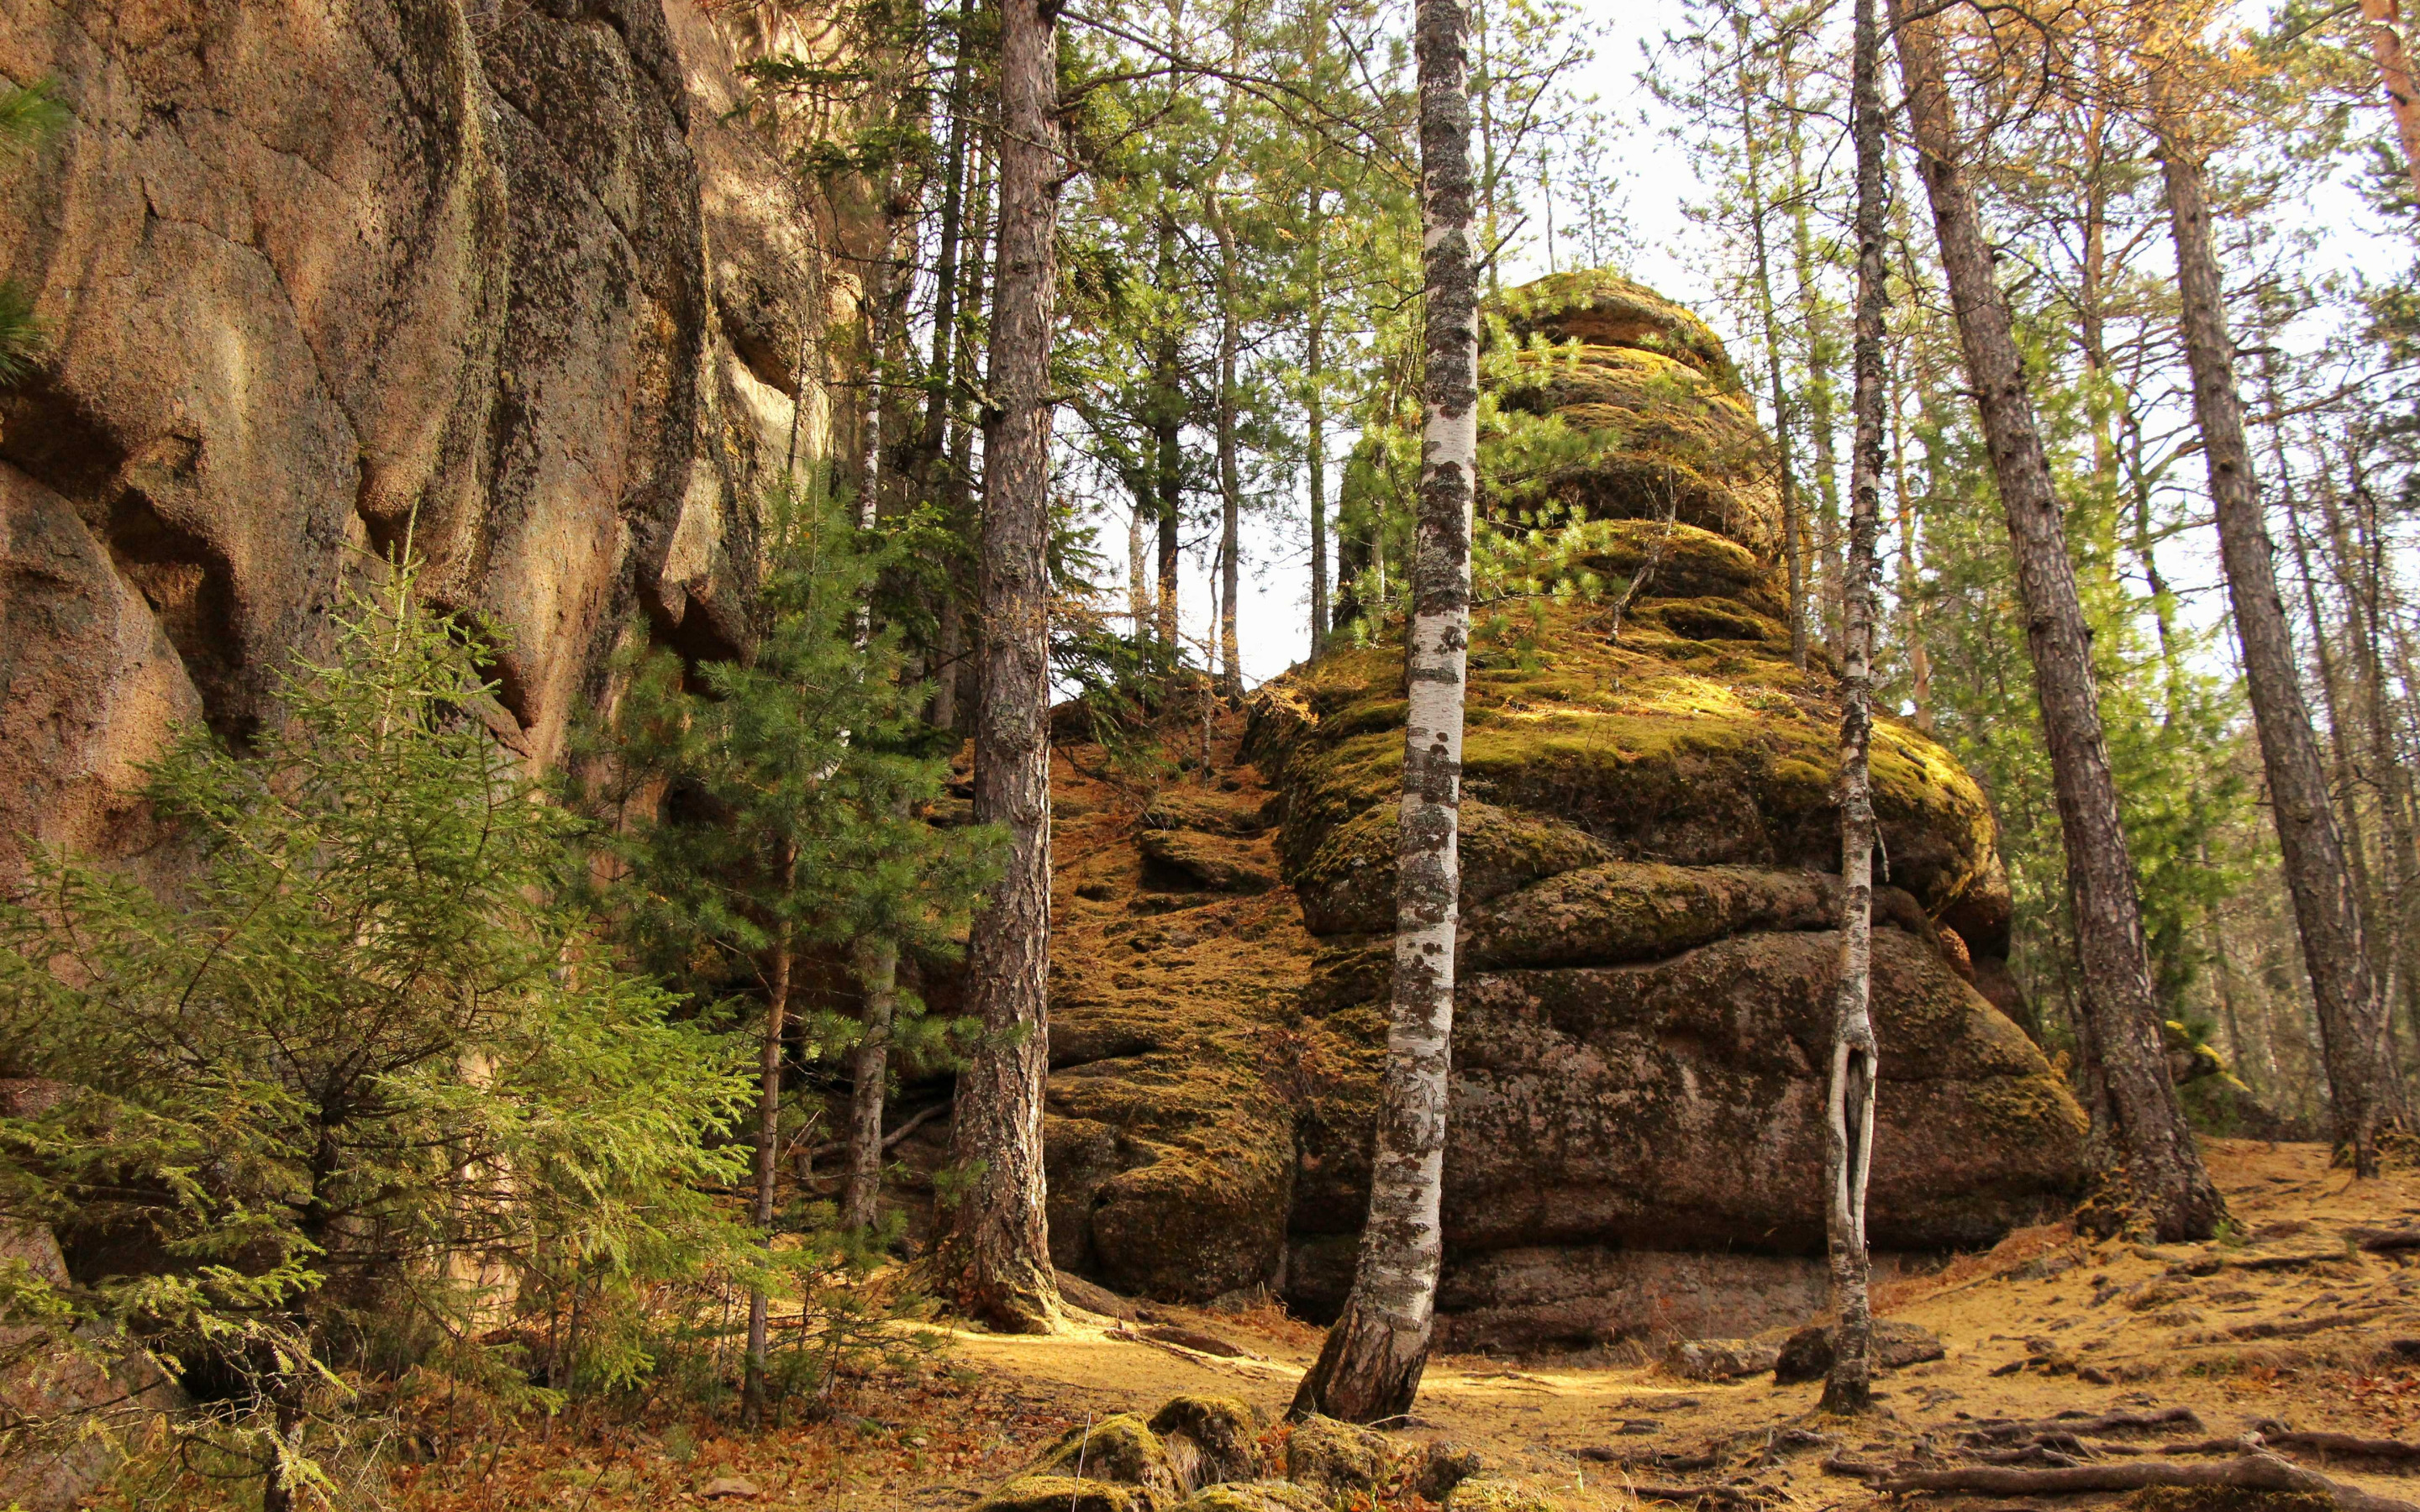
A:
<point x="2086" y="1327"/>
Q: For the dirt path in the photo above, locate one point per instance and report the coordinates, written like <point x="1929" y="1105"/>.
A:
<point x="2043" y="1325"/>
<point x="2286" y="1322"/>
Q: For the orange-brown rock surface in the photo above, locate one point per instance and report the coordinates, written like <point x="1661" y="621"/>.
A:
<point x="506" y="277"/>
<point x="1648" y="956"/>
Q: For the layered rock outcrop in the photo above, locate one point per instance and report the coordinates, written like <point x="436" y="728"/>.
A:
<point x="1650" y="837"/>
<point x="508" y="278"/>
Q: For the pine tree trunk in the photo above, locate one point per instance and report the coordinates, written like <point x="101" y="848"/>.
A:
<point x="1849" y="1140"/>
<point x="952" y="702"/>
<point x="1167" y="420"/>
<point x="1911" y="607"/>
<point x="1231" y="482"/>
<point x="1830" y="572"/>
<point x="2327" y="910"/>
<point x="2359" y="571"/>
<point x="938" y="374"/>
<point x="768" y="1143"/>
<point x="2383" y="21"/>
<point x="993" y="1260"/>
<point x="1792" y="535"/>
<point x="2162" y="1160"/>
<point x="1371" y="1365"/>
<point x="869" y="1068"/>
<point x="1315" y="427"/>
<point x="1138" y="569"/>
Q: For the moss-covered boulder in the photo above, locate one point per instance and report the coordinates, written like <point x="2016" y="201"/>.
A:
<point x="1257" y="1496"/>
<point x="1188" y="858"/>
<point x="1649" y="847"/>
<point x="1339" y="1459"/>
<point x="1491" y="1495"/>
<point x="1120" y="1450"/>
<point x="1209" y="1438"/>
<point x="1065" y="1493"/>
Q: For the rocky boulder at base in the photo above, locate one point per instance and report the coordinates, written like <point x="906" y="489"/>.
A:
<point x="1649" y="845"/>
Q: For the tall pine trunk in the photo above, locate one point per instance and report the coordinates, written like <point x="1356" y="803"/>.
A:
<point x="877" y="962"/>
<point x="1371" y="1365"/>
<point x="1231" y="481"/>
<point x="1315" y="422"/>
<point x="1168" y="455"/>
<point x="1792" y="535"/>
<point x="930" y="441"/>
<point x="1849" y="1132"/>
<point x="2383" y="21"/>
<point x="768" y="1141"/>
<point x="950" y="702"/>
<point x="2327" y="910"/>
<point x="993" y="1261"/>
<point x="2123" y="1028"/>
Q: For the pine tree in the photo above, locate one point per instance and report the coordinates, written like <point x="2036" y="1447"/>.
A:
<point x="759" y="810"/>
<point x="355" y="1055"/>
<point x="2327" y="903"/>
<point x="994" y="1255"/>
<point x="2121" y="1016"/>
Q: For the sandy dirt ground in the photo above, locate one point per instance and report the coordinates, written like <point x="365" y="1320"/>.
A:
<point x="2279" y="1322"/>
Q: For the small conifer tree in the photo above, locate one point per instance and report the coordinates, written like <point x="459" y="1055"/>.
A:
<point x="766" y="810"/>
<point x="352" y="1071"/>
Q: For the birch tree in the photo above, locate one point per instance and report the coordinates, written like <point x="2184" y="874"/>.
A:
<point x="1850" y="1101"/>
<point x="1371" y="1365"/>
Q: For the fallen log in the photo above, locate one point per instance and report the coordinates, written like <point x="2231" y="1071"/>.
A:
<point x="2381" y="1241"/>
<point x="2251" y="1471"/>
<point x="1193" y="1338"/>
<point x="1667" y="1460"/>
<point x="2032" y="1453"/>
<point x="2213" y="1264"/>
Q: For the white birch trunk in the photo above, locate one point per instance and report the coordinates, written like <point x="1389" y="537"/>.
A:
<point x="1850" y="1102"/>
<point x="1369" y="1367"/>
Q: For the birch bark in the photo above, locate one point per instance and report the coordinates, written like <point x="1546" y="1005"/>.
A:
<point x="1371" y="1365"/>
<point x="1850" y="1101"/>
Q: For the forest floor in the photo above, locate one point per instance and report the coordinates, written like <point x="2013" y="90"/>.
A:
<point x="2282" y="1321"/>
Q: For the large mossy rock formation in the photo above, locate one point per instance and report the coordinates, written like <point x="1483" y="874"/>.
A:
<point x="519" y="281"/>
<point x="1650" y="843"/>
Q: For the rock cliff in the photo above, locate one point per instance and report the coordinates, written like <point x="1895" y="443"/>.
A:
<point x="513" y="279"/>
<point x="1648" y="838"/>
<point x="507" y="277"/>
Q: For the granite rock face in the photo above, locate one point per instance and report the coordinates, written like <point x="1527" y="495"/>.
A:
<point x="1650" y="854"/>
<point x="504" y="279"/>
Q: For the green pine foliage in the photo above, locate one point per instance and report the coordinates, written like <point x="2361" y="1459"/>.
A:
<point x="777" y="803"/>
<point x="351" y="1086"/>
